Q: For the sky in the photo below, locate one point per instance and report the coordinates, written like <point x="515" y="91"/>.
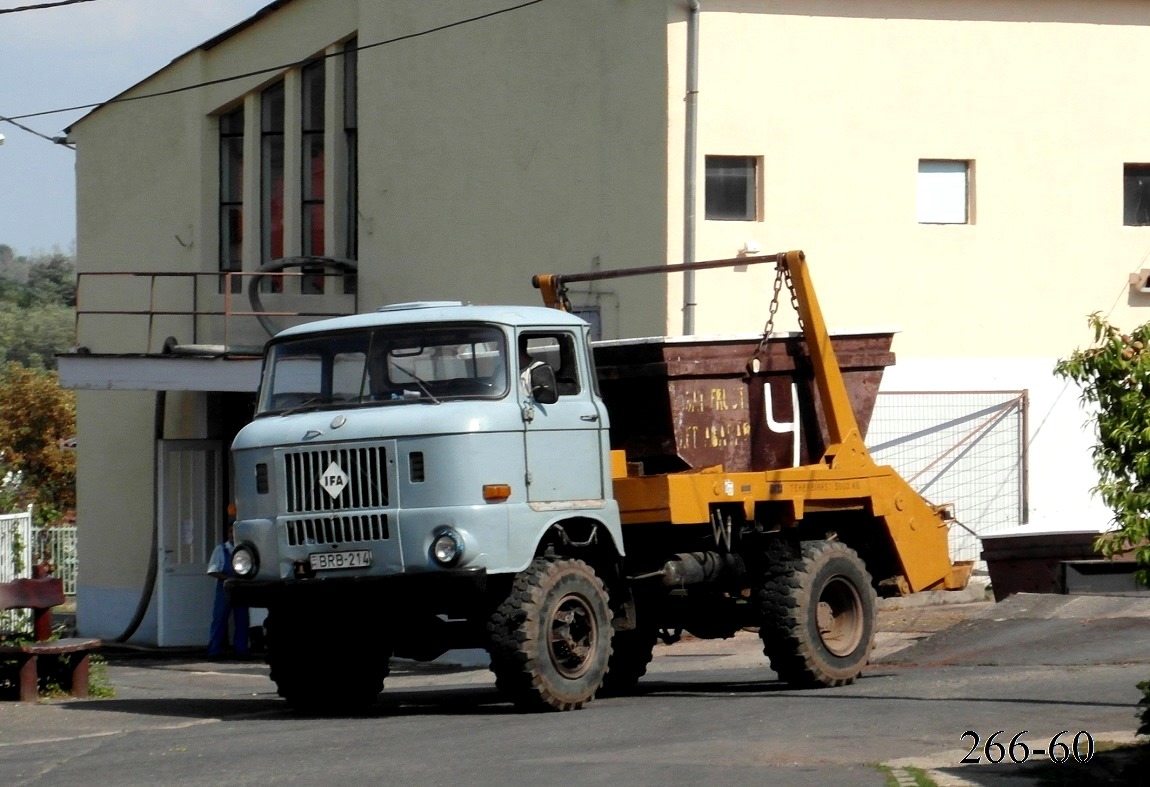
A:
<point x="77" y="54"/>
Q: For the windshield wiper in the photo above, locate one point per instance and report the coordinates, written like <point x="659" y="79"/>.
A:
<point x="419" y="382"/>
<point x="306" y="404"/>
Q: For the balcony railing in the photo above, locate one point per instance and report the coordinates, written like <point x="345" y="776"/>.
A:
<point x="204" y="299"/>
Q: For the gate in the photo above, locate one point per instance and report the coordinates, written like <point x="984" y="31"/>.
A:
<point x="962" y="447"/>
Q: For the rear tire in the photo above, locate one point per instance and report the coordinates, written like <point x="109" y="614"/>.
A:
<point x="550" y="639"/>
<point x="818" y="615"/>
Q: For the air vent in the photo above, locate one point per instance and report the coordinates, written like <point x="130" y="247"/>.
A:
<point x="415" y="462"/>
<point x="262" y="478"/>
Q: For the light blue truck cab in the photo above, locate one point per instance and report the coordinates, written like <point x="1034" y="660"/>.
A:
<point x="405" y="472"/>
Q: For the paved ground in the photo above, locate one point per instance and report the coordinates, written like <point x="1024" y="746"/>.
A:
<point x="987" y="664"/>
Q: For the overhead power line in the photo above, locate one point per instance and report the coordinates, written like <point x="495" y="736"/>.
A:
<point x="58" y="140"/>
<point x="40" y="6"/>
<point x="273" y="69"/>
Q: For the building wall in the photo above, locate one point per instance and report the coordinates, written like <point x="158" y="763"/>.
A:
<point x="842" y="99"/>
<point x="550" y="139"/>
<point x="530" y="142"/>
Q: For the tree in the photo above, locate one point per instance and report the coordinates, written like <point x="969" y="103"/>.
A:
<point x="1114" y="375"/>
<point x="37" y="294"/>
<point x="36" y="418"/>
<point x="52" y="280"/>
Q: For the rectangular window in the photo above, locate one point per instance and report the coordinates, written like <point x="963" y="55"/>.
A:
<point x="231" y="215"/>
<point x="1136" y="195"/>
<point x="557" y="350"/>
<point x="943" y="192"/>
<point x="272" y="173"/>
<point x="351" y="141"/>
<point x="731" y="188"/>
<point x="312" y="169"/>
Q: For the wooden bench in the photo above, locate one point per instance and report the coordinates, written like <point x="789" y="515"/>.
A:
<point x="41" y="595"/>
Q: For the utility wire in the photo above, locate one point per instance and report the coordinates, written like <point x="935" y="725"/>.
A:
<point x="271" y="69"/>
<point x="40" y="6"/>
<point x="57" y="140"/>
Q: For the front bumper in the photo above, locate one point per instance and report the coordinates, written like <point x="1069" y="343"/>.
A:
<point x="443" y="590"/>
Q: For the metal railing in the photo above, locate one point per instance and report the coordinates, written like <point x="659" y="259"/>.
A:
<point x="56" y="547"/>
<point x="15" y="563"/>
<point x="201" y="301"/>
<point x="16" y="545"/>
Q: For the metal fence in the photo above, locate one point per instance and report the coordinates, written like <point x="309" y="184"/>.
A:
<point x="15" y="545"/>
<point x="962" y="447"/>
<point x="57" y="547"/>
<point x="15" y="562"/>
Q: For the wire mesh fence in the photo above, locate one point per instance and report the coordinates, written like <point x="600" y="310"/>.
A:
<point x="962" y="447"/>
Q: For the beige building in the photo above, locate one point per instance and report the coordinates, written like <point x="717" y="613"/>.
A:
<point x="972" y="174"/>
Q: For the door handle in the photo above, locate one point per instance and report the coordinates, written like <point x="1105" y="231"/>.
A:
<point x="589" y="417"/>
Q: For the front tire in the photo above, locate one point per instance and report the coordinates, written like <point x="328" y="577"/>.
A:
<point x="819" y="615"/>
<point x="550" y="639"/>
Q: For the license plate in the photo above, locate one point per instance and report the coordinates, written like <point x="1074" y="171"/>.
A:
<point x="325" y="561"/>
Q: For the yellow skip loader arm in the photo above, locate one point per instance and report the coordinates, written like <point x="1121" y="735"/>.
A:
<point x="845" y="478"/>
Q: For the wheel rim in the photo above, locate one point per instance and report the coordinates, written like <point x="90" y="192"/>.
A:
<point x="840" y="617"/>
<point x="573" y="636"/>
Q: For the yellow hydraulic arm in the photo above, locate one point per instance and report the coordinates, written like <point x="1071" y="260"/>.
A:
<point x="846" y="478"/>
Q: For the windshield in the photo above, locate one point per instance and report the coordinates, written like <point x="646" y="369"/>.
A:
<point x="390" y="365"/>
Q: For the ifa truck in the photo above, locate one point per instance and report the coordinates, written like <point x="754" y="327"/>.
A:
<point x="435" y="475"/>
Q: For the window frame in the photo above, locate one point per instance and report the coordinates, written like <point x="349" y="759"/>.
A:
<point x="230" y="126"/>
<point x="741" y="173"/>
<point x="1140" y="205"/>
<point x="934" y="204"/>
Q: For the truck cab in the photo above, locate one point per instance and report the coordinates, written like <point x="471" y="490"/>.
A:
<point x="407" y="441"/>
<point x="413" y="454"/>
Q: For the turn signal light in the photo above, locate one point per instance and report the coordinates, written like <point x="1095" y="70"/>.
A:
<point x="495" y="493"/>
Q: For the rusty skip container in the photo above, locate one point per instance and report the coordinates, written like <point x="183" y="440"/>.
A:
<point x="679" y="403"/>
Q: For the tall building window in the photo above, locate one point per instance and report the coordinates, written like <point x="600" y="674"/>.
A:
<point x="943" y="192"/>
<point x="351" y="146"/>
<point x="317" y="212"/>
<point x="232" y="195"/>
<point x="1136" y="195"/>
<point x="732" y="188"/>
<point x="272" y="172"/>
<point x="312" y="170"/>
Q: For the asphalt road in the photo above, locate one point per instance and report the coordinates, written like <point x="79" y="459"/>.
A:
<point x="709" y="712"/>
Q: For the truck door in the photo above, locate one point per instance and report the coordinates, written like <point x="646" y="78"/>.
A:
<point x="563" y="441"/>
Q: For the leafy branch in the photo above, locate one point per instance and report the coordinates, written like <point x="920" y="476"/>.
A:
<point x="1114" y="377"/>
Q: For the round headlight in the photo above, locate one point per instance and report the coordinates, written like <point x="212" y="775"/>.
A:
<point x="244" y="561"/>
<point x="446" y="548"/>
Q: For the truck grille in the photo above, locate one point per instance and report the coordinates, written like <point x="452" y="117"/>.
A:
<point x="336" y="530"/>
<point x="360" y="472"/>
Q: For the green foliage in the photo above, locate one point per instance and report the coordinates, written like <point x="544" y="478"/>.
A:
<point x="37" y="295"/>
<point x="1114" y="377"/>
<point x="35" y="416"/>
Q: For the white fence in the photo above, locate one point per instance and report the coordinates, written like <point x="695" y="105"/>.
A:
<point x="15" y="562"/>
<point x="15" y="545"/>
<point x="22" y="545"/>
<point x="57" y="546"/>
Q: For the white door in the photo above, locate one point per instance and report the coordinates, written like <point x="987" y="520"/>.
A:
<point x="188" y="490"/>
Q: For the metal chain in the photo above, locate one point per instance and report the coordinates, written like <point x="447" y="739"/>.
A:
<point x="753" y="364"/>
<point x="794" y="300"/>
<point x="782" y="275"/>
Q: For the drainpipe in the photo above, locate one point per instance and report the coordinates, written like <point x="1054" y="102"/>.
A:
<point x="159" y="415"/>
<point x="690" y="177"/>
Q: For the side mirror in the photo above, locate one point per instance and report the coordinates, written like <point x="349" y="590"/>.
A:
<point x="544" y="387"/>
